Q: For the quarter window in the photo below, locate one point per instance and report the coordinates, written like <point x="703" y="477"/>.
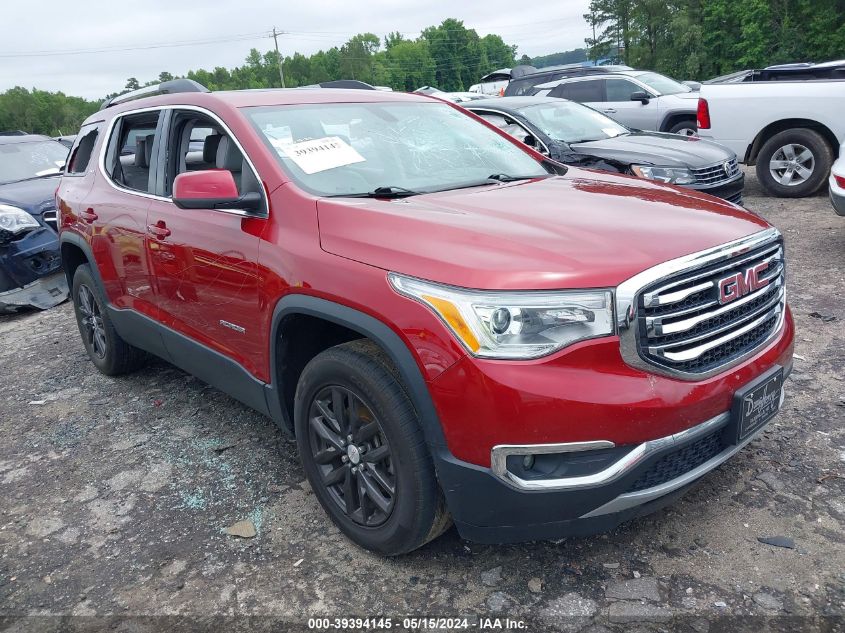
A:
<point x="80" y="155"/>
<point x="131" y="155"/>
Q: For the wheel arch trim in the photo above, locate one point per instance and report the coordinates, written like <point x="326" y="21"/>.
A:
<point x="79" y="242"/>
<point x="784" y="125"/>
<point x="369" y="327"/>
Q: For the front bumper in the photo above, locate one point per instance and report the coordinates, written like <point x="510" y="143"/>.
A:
<point x="730" y="190"/>
<point x="43" y="293"/>
<point x="30" y="271"/>
<point x="494" y="506"/>
<point x="647" y="438"/>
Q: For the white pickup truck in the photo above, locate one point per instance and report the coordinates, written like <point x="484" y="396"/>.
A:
<point x="791" y="130"/>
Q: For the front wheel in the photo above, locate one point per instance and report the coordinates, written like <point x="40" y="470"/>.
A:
<point x="363" y="451"/>
<point x="794" y="163"/>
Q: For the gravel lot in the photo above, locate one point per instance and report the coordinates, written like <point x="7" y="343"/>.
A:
<point x="115" y="493"/>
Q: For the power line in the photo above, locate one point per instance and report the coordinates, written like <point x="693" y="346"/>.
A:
<point x="114" y="49"/>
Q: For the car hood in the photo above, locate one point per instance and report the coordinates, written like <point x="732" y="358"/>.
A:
<point x="653" y="148"/>
<point x="581" y="230"/>
<point x="33" y="196"/>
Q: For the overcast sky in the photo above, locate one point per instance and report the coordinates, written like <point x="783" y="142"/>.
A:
<point x="221" y="32"/>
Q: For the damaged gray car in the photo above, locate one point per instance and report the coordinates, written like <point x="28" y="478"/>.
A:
<point x="30" y="263"/>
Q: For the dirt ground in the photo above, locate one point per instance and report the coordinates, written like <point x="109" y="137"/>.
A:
<point x="115" y="493"/>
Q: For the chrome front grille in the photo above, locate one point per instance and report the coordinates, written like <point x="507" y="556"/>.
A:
<point x="699" y="315"/>
<point x="714" y="174"/>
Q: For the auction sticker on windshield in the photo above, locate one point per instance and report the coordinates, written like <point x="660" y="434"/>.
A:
<point x="321" y="154"/>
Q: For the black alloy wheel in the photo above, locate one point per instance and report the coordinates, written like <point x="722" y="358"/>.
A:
<point x="105" y="347"/>
<point x="353" y="457"/>
<point x="91" y="322"/>
<point x="363" y="450"/>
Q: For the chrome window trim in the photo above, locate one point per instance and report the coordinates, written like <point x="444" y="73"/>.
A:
<point x="142" y="194"/>
<point x="621" y="467"/>
<point x="628" y="292"/>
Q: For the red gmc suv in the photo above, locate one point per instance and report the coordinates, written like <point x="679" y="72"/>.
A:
<point x="454" y="327"/>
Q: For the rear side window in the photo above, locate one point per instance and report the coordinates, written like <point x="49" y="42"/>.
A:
<point x="130" y="155"/>
<point x="83" y="148"/>
<point x="588" y="91"/>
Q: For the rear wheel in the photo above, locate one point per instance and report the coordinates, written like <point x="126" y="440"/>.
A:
<point x="687" y="127"/>
<point x="363" y="451"/>
<point x="106" y="349"/>
<point x="794" y="163"/>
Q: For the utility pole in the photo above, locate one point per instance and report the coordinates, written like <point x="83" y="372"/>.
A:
<point x="278" y="55"/>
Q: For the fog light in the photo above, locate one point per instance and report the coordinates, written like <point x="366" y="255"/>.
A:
<point x="528" y="462"/>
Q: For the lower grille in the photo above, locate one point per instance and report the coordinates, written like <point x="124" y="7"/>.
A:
<point x="679" y="462"/>
<point x="736" y="198"/>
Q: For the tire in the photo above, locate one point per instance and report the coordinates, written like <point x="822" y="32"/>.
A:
<point x="776" y="152"/>
<point x="687" y="127"/>
<point x="353" y="479"/>
<point x="107" y="350"/>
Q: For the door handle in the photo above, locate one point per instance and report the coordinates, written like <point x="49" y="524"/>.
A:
<point x="88" y="215"/>
<point x="609" y="111"/>
<point x="158" y="230"/>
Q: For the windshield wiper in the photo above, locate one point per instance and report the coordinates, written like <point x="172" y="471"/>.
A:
<point x="388" y="191"/>
<point x="509" y="178"/>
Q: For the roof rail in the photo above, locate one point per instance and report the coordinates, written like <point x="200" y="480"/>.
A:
<point x="168" y="87"/>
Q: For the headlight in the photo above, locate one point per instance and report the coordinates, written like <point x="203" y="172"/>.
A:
<point x="517" y="324"/>
<point x="671" y="175"/>
<point x="16" y="220"/>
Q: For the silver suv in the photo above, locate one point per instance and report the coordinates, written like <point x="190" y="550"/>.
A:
<point x="639" y="99"/>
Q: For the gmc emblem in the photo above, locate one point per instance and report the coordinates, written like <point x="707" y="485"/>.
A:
<point x="737" y="286"/>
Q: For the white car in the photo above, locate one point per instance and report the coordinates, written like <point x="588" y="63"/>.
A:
<point x="638" y="99"/>
<point x="493" y="84"/>
<point x="791" y="130"/>
<point x="837" y="183"/>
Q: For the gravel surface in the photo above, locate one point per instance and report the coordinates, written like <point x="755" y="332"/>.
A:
<point x="120" y="497"/>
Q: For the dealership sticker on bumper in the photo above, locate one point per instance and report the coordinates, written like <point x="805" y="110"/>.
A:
<point x="756" y="404"/>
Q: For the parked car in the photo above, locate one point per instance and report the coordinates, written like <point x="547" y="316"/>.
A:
<point x="454" y="97"/>
<point x="30" y="265"/>
<point x="493" y="84"/>
<point x="640" y="99"/>
<point x="577" y="135"/>
<point x="803" y="71"/>
<point x="791" y="130"/>
<point x="525" y="78"/>
<point x="837" y="183"/>
<point x="452" y="326"/>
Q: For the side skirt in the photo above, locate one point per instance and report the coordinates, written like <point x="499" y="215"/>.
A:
<point x="196" y="359"/>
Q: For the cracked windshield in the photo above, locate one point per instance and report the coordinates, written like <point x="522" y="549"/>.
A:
<point x="386" y="148"/>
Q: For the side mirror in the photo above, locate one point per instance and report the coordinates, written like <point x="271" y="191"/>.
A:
<point x="641" y="96"/>
<point x="212" y="189"/>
